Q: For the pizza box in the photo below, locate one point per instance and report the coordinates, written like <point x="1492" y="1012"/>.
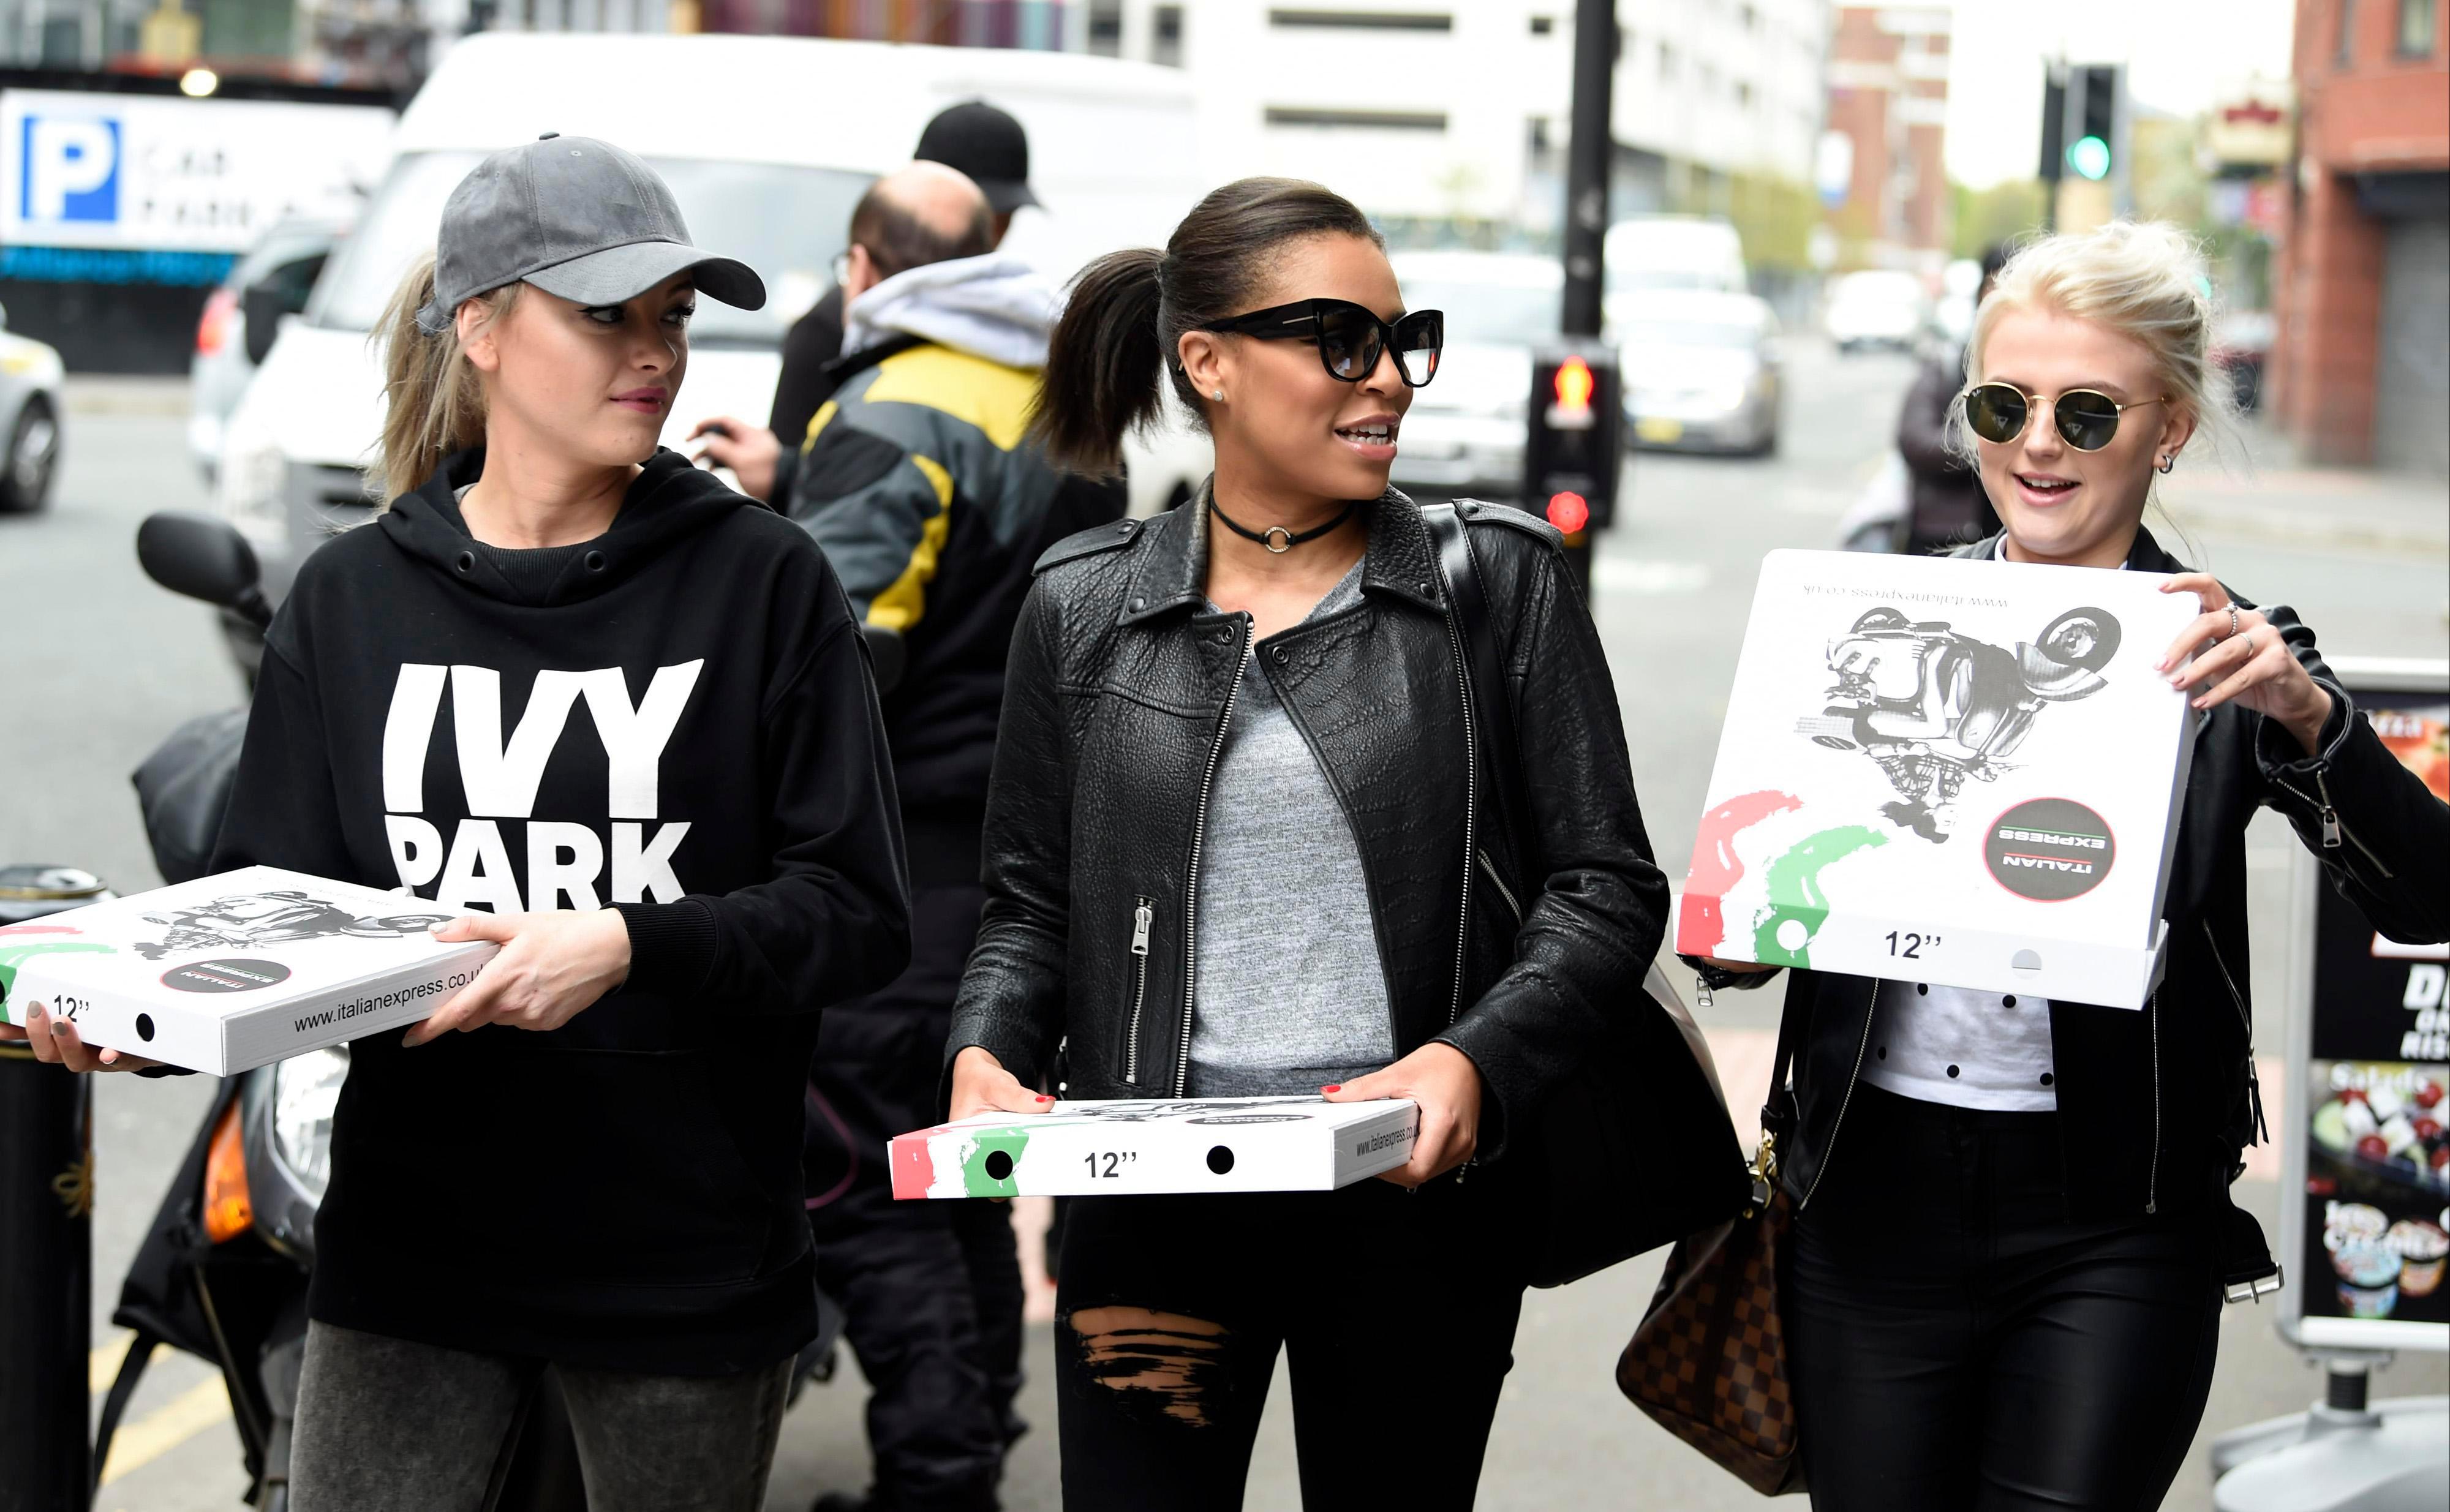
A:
<point x="227" y="973"/>
<point x="1939" y="770"/>
<point x="1136" y="1146"/>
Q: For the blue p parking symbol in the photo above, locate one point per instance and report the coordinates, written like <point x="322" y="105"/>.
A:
<point x="68" y="169"/>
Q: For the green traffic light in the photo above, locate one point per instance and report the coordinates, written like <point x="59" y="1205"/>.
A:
<point x="2090" y="157"/>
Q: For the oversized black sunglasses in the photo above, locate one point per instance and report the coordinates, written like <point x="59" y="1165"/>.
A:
<point x="2087" y="418"/>
<point x="1350" y="336"/>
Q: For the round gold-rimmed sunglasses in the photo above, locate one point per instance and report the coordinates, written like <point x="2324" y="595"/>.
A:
<point x="2087" y="418"/>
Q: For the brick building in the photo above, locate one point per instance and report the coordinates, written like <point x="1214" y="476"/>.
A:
<point x="2360" y="363"/>
<point x="1888" y="96"/>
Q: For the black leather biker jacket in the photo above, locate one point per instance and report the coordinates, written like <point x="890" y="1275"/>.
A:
<point x="1116" y="703"/>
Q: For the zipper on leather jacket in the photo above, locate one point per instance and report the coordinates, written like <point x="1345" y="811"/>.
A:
<point x="2246" y="1020"/>
<point x="1854" y="1077"/>
<point x="1191" y="881"/>
<point x="2333" y="831"/>
<point x="2153" y="1180"/>
<point x="1143" y="913"/>
<point x="1471" y="813"/>
<point x="1503" y="891"/>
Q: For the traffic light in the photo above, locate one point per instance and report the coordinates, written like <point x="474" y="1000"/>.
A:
<point x="1575" y="450"/>
<point x="2092" y="131"/>
<point x="2054" y="90"/>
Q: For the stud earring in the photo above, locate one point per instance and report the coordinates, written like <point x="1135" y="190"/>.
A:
<point x="1219" y="395"/>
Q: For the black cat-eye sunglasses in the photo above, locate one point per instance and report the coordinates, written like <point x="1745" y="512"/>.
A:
<point x="1350" y="336"/>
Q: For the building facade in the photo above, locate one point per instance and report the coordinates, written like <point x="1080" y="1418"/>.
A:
<point x="1885" y="179"/>
<point x="1447" y="119"/>
<point x="2361" y="360"/>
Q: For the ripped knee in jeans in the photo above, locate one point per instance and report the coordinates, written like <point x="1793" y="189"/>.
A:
<point x="1173" y="1364"/>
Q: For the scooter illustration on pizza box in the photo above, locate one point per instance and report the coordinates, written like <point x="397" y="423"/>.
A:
<point x="1933" y="705"/>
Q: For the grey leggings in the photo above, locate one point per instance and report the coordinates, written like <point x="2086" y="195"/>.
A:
<point x="388" y="1425"/>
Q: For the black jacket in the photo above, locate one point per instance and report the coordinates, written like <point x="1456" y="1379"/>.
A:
<point x="809" y="348"/>
<point x="1945" y="502"/>
<point x="677" y="721"/>
<point x="919" y="481"/>
<point x="1114" y="706"/>
<point x="2154" y="1106"/>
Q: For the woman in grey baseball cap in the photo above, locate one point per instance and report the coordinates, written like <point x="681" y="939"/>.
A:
<point x="620" y="718"/>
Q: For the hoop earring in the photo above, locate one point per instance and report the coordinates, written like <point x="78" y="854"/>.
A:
<point x="2169" y="464"/>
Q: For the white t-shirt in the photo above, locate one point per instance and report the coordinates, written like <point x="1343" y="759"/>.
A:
<point x="1964" y="1048"/>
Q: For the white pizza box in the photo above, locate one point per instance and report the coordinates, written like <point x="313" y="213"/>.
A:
<point x="1137" y="1145"/>
<point x="1965" y="773"/>
<point x="227" y="973"/>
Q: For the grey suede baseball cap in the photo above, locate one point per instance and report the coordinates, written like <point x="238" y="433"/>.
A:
<point x="574" y="216"/>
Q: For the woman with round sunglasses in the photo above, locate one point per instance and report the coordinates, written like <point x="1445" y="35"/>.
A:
<point x="1229" y="853"/>
<point x="2012" y="1223"/>
<point x="619" y="717"/>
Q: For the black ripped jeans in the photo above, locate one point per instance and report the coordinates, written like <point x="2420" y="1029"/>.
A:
<point x="1395" y="1310"/>
<point x="1956" y="1343"/>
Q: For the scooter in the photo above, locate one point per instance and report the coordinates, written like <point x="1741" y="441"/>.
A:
<point x="223" y="1273"/>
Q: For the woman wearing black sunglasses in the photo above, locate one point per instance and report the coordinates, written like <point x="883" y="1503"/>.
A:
<point x="1229" y="851"/>
<point x="2013" y="1223"/>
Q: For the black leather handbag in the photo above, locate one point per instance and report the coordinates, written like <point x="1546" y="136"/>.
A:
<point x="1635" y="1150"/>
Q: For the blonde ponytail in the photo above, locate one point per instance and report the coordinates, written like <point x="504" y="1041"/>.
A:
<point x="433" y="404"/>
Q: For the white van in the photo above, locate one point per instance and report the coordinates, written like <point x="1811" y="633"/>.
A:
<point x="767" y="143"/>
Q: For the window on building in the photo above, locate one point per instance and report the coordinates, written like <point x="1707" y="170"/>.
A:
<point x="1543" y="25"/>
<point x="1165" y="46"/>
<point x="1287" y="115"/>
<point x="1367" y="20"/>
<point x="2418" y="28"/>
<point x="1106" y="27"/>
<point x="2345" y="53"/>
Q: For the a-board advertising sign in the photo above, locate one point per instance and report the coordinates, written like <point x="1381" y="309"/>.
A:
<point x="1913" y="778"/>
<point x="2365" y="1162"/>
<point x="82" y="170"/>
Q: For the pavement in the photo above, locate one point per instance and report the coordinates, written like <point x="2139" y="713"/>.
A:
<point x="114" y="663"/>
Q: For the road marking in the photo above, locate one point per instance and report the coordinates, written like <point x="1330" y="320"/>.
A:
<point x="1641" y="576"/>
<point x="174" y="1423"/>
<point x="164" y="1428"/>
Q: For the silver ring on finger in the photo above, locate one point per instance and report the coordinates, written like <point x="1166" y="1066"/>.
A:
<point x="2232" y="623"/>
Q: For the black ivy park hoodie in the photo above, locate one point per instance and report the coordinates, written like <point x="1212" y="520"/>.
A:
<point x="675" y="719"/>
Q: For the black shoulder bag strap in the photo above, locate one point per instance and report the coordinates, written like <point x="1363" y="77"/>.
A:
<point x="1487" y="703"/>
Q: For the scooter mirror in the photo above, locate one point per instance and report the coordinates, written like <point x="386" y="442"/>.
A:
<point x="205" y="558"/>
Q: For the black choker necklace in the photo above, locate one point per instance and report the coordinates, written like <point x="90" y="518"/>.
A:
<point x="1276" y="537"/>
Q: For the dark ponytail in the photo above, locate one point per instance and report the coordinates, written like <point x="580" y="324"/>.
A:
<point x="1128" y="312"/>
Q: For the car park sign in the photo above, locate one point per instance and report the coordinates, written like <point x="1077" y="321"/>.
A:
<point x="156" y="173"/>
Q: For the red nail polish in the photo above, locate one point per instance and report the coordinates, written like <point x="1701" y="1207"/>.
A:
<point x="1332" y="1087"/>
<point x="1045" y="1099"/>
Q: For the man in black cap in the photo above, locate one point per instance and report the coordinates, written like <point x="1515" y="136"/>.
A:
<point x="980" y="141"/>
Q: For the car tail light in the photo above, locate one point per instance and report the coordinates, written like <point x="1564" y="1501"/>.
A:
<point x="229" y="1211"/>
<point x="213" y="330"/>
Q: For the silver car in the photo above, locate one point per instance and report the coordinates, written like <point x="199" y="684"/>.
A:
<point x="1465" y="432"/>
<point x="240" y="320"/>
<point x="1702" y="369"/>
<point x="29" y="418"/>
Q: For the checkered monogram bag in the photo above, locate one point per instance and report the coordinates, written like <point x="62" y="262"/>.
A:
<point x="1708" y="1363"/>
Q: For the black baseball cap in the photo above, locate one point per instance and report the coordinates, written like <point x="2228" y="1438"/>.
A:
<point x="987" y="144"/>
<point x="574" y="216"/>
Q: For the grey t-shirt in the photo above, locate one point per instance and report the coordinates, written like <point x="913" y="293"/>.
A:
<point x="1290" y="994"/>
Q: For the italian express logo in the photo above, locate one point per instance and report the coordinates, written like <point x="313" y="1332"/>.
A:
<point x="2050" y="849"/>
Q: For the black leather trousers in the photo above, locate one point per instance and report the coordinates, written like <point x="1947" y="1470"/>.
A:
<point x="1955" y="1342"/>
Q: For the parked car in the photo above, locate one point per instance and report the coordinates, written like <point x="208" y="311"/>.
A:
<point x="765" y="168"/>
<point x="29" y="417"/>
<point x="1876" y="307"/>
<point x="1463" y="435"/>
<point x="1674" y="252"/>
<point x="242" y="317"/>
<point x="1702" y="370"/>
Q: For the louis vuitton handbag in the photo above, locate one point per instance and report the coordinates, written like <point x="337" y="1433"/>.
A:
<point x="1708" y="1362"/>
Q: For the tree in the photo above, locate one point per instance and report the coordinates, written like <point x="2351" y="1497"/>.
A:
<point x="2003" y="212"/>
